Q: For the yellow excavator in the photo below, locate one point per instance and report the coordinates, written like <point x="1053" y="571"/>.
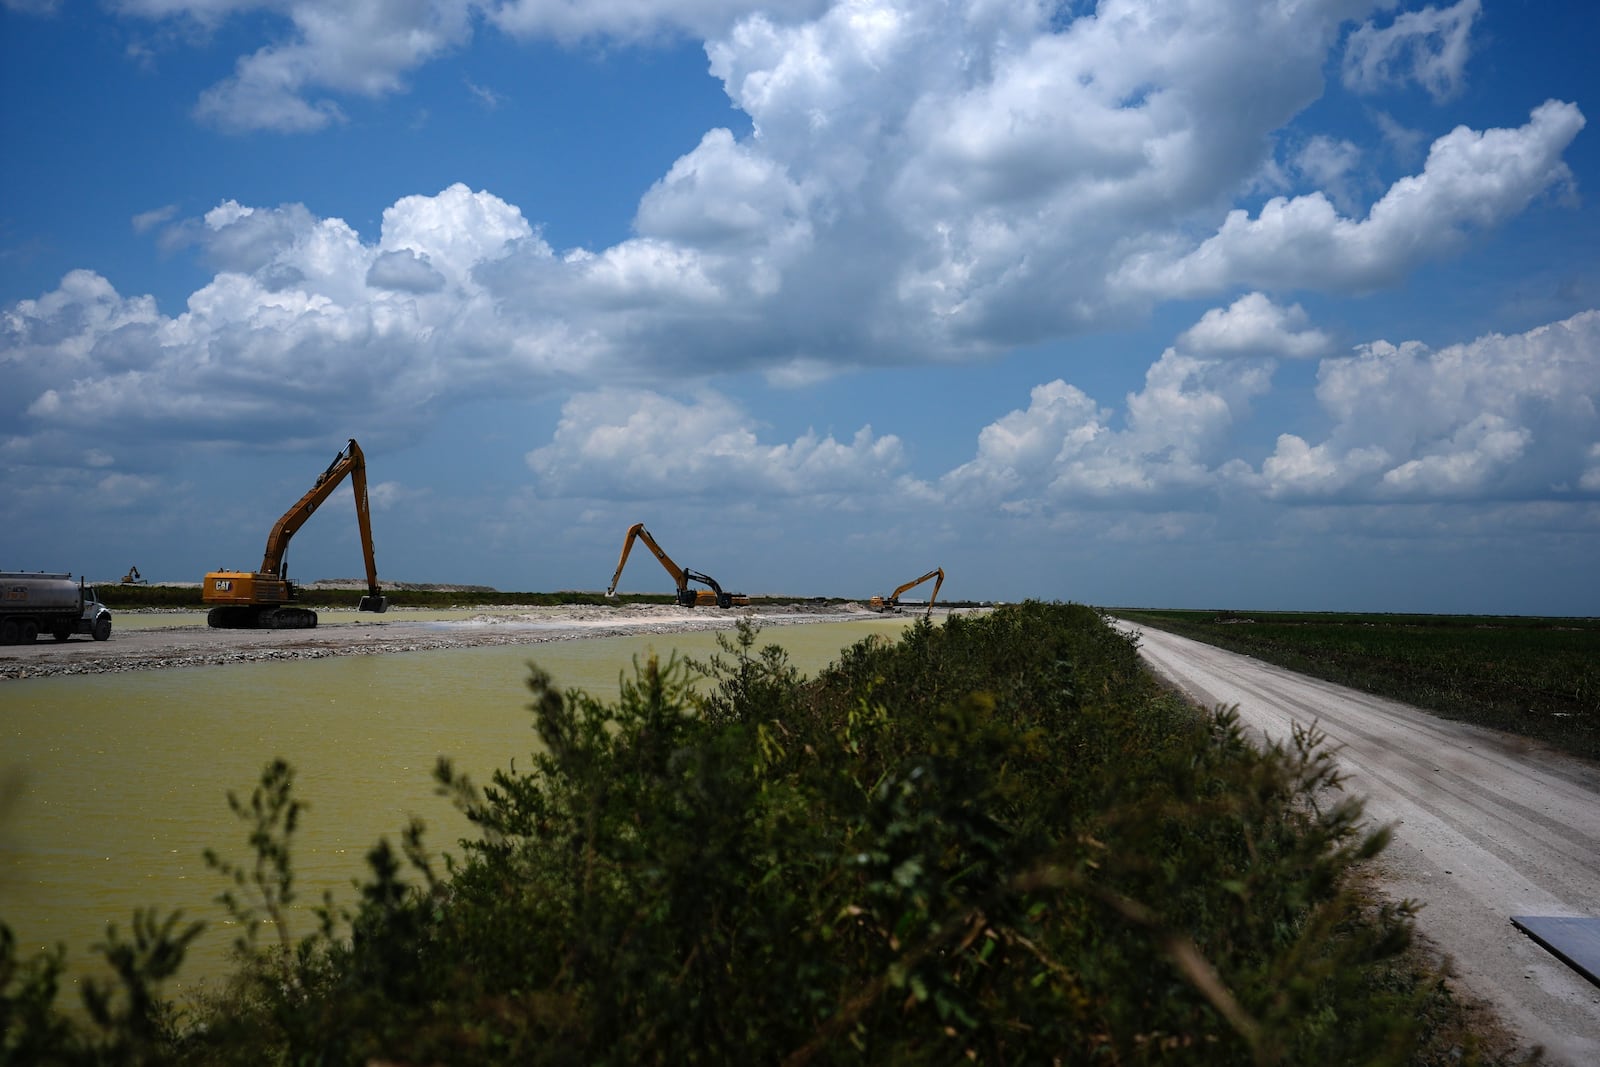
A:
<point x="892" y="601"/>
<point x="133" y="577"/>
<point x="245" y="600"/>
<point x="689" y="598"/>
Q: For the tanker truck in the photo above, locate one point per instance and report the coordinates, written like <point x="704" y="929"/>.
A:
<point x="34" y="603"/>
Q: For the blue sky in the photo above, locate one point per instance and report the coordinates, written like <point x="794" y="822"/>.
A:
<point x="1196" y="303"/>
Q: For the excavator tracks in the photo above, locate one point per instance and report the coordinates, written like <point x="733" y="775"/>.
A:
<point x="250" y="618"/>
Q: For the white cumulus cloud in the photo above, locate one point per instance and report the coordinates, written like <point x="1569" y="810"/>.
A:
<point x="1501" y="416"/>
<point x="1472" y="180"/>
<point x="303" y="317"/>
<point x="635" y="20"/>
<point x="1255" y="325"/>
<point x="922" y="183"/>
<point x="1498" y="418"/>
<point x="1169" y="442"/>
<point x="1430" y="47"/>
<point x="364" y="48"/>
<point x="1590" y="479"/>
<point x="641" y="445"/>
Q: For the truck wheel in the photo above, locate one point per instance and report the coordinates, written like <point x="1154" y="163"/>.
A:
<point x="8" y="632"/>
<point x="102" y="629"/>
<point x="61" y="635"/>
<point x="28" y="632"/>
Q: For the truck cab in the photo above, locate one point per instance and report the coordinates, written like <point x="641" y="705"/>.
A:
<point x="96" y="618"/>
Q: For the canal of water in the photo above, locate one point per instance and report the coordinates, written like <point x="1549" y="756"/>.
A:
<point x="113" y="785"/>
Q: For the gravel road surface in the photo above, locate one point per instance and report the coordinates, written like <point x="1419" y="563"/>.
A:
<point x="349" y="633"/>
<point x="1486" y="826"/>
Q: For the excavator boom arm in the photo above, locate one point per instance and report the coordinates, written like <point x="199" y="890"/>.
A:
<point x="704" y="579"/>
<point x="638" y="532"/>
<point x="936" y="572"/>
<point x="681" y="576"/>
<point x="893" y="599"/>
<point x="349" y="462"/>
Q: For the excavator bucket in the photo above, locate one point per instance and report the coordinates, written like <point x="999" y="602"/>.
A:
<point x="378" y="604"/>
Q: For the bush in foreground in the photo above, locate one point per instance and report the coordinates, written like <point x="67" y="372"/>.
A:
<point x="996" y="841"/>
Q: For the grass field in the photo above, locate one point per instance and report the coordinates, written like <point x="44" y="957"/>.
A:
<point x="1535" y="677"/>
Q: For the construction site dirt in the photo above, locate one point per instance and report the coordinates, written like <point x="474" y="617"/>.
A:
<point x="140" y="642"/>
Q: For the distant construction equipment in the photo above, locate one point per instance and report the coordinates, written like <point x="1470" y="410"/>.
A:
<point x="263" y="599"/>
<point x="892" y="601"/>
<point x="133" y="577"/>
<point x="686" y="597"/>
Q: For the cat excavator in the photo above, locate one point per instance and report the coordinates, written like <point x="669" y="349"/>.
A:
<point x="689" y="598"/>
<point x="892" y="601"/>
<point x="263" y="599"/>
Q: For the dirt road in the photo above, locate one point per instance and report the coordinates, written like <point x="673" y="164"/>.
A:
<point x="1486" y="826"/>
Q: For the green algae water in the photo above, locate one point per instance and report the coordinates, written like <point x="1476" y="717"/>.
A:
<point x="113" y="785"/>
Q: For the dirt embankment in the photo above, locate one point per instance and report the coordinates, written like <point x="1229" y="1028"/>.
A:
<point x="349" y="633"/>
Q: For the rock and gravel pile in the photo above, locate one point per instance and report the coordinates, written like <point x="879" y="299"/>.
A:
<point x="346" y="634"/>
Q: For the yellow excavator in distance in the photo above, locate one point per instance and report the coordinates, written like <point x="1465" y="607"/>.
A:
<point x="689" y="598"/>
<point x="133" y="577"/>
<point x="892" y="601"/>
<point x="245" y="600"/>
